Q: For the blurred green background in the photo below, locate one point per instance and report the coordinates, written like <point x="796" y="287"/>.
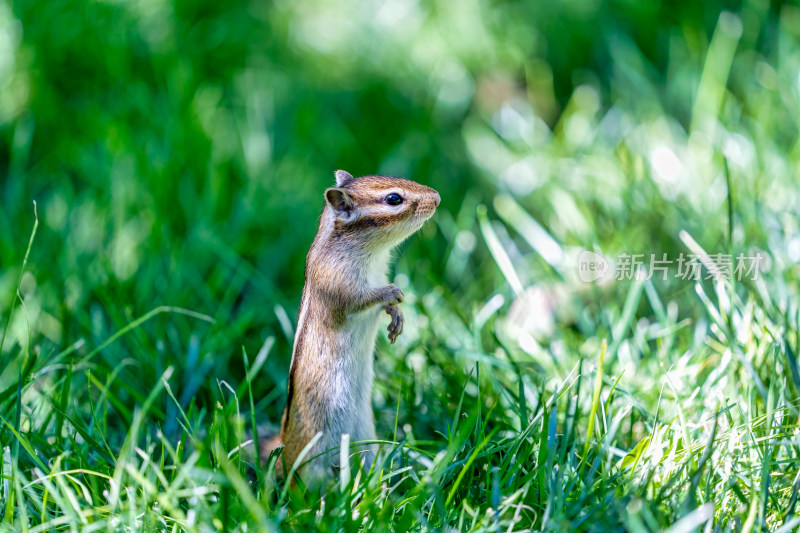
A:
<point x="178" y="151"/>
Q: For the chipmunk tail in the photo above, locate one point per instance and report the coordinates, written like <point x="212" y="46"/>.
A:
<point x="269" y="440"/>
<point x="267" y="443"/>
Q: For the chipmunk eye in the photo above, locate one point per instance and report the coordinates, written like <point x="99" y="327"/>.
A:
<point x="393" y="199"/>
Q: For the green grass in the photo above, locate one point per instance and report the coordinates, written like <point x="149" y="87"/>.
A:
<point x="177" y="154"/>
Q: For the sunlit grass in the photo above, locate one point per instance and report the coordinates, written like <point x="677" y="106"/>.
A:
<point x="149" y="331"/>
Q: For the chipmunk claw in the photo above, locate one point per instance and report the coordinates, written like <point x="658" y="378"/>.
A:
<point x="396" y="325"/>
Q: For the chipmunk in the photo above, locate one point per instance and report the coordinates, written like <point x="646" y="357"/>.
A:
<point x="346" y="288"/>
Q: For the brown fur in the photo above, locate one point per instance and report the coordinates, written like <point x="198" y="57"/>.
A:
<point x="356" y="233"/>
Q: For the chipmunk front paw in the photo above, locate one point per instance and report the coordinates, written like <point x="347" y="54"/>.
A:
<point x="396" y="325"/>
<point x="394" y="295"/>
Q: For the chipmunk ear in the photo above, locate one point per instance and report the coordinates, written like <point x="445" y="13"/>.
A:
<point x="342" y="178"/>
<point x="343" y="205"/>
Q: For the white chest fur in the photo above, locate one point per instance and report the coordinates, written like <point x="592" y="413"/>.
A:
<point x="352" y="374"/>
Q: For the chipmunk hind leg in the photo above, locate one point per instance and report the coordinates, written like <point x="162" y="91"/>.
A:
<point x="364" y="453"/>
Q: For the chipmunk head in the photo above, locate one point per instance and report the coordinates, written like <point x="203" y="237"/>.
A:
<point x="379" y="210"/>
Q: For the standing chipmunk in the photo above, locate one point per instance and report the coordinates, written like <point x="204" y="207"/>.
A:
<point x="346" y="288"/>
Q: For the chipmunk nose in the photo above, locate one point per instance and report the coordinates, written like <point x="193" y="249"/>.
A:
<point x="436" y="198"/>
